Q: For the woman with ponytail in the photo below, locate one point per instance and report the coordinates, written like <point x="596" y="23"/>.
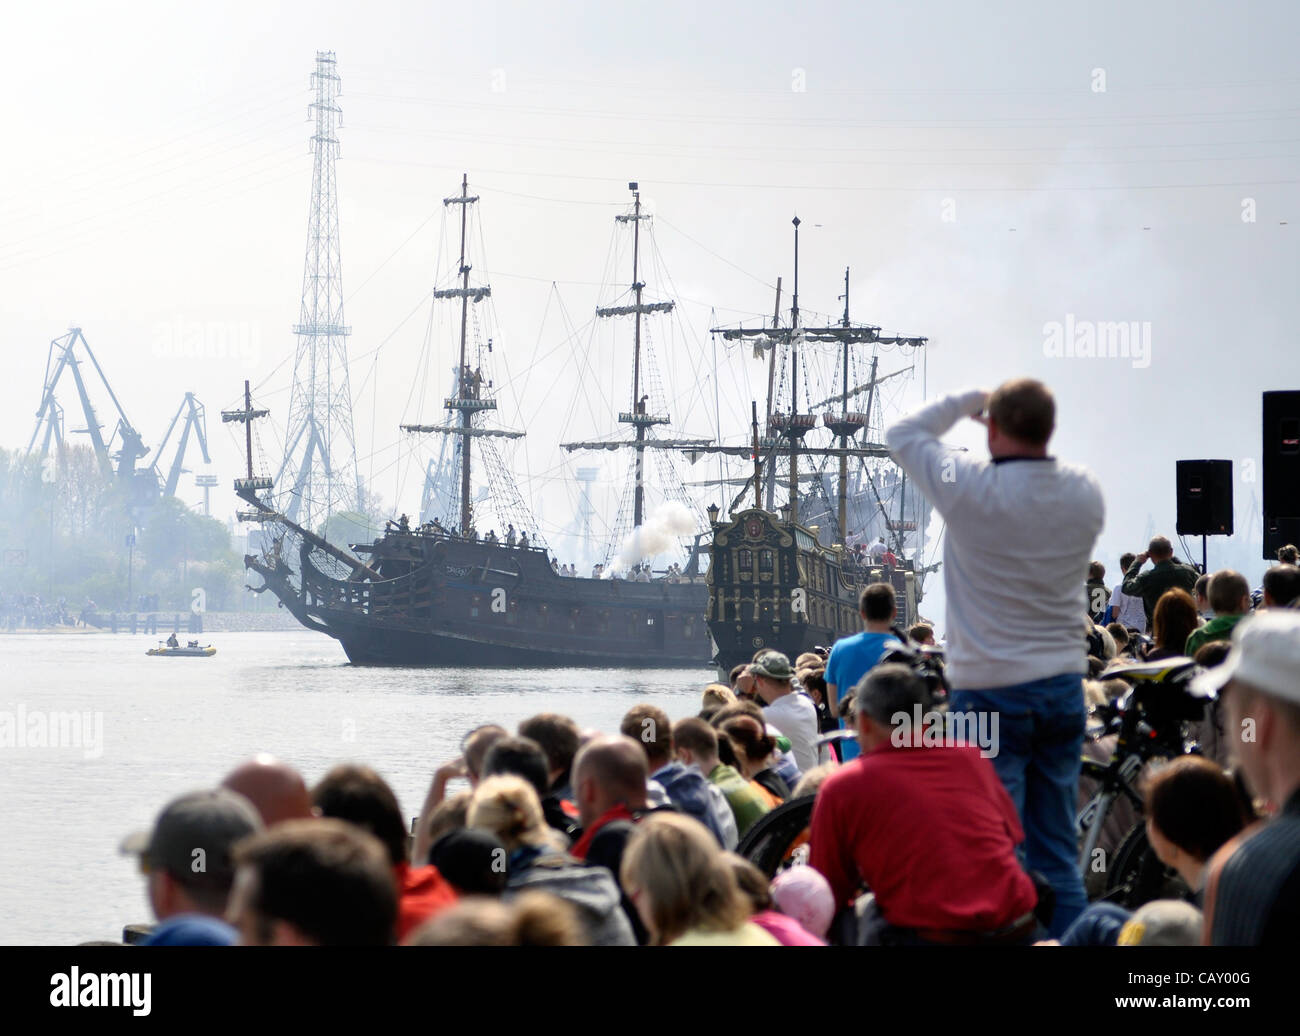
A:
<point x="752" y="747"/>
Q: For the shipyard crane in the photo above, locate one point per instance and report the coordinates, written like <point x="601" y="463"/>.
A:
<point x="49" y="418"/>
<point x="194" y="421"/>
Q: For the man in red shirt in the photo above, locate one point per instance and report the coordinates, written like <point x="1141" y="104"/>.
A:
<point x="927" y="827"/>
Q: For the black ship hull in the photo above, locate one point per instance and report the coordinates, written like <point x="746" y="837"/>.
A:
<point x="741" y="641"/>
<point x="442" y="601"/>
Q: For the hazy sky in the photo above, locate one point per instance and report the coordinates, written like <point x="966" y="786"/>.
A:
<point x="985" y="169"/>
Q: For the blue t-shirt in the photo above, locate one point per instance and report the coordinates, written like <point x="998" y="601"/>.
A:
<point x="852" y="656"/>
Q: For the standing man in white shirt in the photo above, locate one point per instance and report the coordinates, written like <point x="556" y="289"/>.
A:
<point x="792" y="713"/>
<point x="1021" y="529"/>
<point x="1126" y="609"/>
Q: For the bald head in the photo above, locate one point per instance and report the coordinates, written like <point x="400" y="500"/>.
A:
<point x="275" y="788"/>
<point x="609" y="770"/>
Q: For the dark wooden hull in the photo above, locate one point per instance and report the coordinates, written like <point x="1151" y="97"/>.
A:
<point x="741" y="641"/>
<point x="446" y="602"/>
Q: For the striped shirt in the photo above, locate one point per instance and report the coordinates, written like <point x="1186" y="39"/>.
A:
<point x="1254" y="899"/>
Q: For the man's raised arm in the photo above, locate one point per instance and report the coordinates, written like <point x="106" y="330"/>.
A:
<point x="1134" y="583"/>
<point x="914" y="442"/>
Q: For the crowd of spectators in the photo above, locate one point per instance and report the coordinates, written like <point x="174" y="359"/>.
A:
<point x="552" y="835"/>
<point x="32" y="611"/>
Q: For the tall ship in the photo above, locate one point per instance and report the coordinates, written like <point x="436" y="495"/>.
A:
<point x="789" y="577"/>
<point x="449" y="589"/>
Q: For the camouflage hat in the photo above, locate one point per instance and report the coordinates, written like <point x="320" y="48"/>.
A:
<point x="773" y="665"/>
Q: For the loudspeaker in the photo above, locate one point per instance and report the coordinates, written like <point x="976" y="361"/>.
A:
<point x="1281" y="455"/>
<point x="1204" y="498"/>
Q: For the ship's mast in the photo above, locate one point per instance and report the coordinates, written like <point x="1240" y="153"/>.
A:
<point x="640" y="417"/>
<point x="468" y="397"/>
<point x="638" y="501"/>
<point x="248" y="487"/>
<point x="847" y="423"/>
<point x="771" y="381"/>
<point x="871" y="390"/>
<point x="871" y="396"/>
<point x="794" y="382"/>
<point x="844" y="438"/>
<point x="248" y="427"/>
<point x="462" y="369"/>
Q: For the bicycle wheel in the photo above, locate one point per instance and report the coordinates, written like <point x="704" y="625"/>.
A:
<point x="767" y="844"/>
<point x="1092" y="776"/>
<point x="1138" y="876"/>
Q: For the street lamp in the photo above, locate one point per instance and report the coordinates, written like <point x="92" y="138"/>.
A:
<point x="130" y="565"/>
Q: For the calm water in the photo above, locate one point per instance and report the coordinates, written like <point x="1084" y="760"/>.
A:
<point x="172" y="725"/>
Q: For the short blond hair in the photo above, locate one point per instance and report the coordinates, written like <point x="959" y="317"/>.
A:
<point x="719" y="695"/>
<point x="678" y="865"/>
<point x="508" y="807"/>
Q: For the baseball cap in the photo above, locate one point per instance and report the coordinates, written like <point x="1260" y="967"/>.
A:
<point x="193" y="836"/>
<point x="1265" y="654"/>
<point x="773" y="665"/>
<point x="802" y="893"/>
<point x="1163" y="922"/>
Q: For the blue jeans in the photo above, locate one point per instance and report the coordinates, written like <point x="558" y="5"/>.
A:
<point x="1040" y="745"/>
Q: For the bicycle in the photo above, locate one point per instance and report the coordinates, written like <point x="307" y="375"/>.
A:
<point x="772" y="843"/>
<point x="1150" y="722"/>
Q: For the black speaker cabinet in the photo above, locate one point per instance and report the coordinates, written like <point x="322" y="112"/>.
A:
<point x="1204" y="498"/>
<point x="1281" y="471"/>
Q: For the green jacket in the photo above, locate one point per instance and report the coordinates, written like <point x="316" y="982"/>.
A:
<point x="1218" y="628"/>
<point x="745" y="802"/>
<point x="1166" y="575"/>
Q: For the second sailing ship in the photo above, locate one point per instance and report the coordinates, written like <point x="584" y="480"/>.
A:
<point x="780" y="579"/>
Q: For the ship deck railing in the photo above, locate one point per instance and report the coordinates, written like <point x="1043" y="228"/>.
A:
<point x="427" y="532"/>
